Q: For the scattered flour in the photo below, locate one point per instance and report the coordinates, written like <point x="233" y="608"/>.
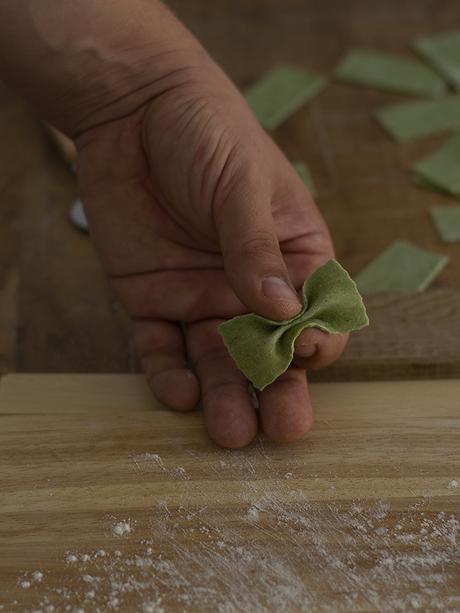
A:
<point x="265" y="551"/>
<point x="453" y="484"/>
<point x="283" y="553"/>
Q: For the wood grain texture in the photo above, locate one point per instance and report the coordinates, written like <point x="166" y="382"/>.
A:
<point x="361" y="516"/>
<point x="57" y="313"/>
<point x="410" y="337"/>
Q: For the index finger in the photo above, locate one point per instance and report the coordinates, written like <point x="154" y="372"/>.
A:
<point x="314" y="349"/>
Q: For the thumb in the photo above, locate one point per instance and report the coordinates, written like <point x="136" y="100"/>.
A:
<point x="253" y="260"/>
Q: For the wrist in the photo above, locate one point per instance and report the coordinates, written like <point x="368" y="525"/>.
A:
<point x="124" y="82"/>
<point x="125" y="57"/>
<point x="82" y="63"/>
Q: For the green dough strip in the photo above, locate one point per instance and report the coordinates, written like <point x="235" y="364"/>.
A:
<point x="263" y="349"/>
<point x="389" y="72"/>
<point x="304" y="173"/>
<point x="401" y="267"/>
<point x="447" y="222"/>
<point x="280" y="93"/>
<point x="442" y="168"/>
<point x="415" y="119"/>
<point x="443" y="53"/>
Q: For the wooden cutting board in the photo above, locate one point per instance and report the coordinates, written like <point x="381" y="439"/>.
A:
<point x="109" y="502"/>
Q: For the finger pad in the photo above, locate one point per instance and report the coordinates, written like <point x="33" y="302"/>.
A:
<point x="177" y="388"/>
<point x="286" y="412"/>
<point x="230" y="417"/>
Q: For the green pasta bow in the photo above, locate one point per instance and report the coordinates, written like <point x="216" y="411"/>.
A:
<point x="263" y="348"/>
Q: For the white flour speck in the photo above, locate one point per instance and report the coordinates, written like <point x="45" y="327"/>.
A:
<point x="25" y="584"/>
<point x="453" y="484"/>
<point x="121" y="528"/>
<point x="37" y="575"/>
<point x="89" y="579"/>
<point x="252" y="514"/>
<point x="415" y="602"/>
<point x="152" y="607"/>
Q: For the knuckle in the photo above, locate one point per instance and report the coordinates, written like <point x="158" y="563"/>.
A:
<point x="259" y="245"/>
<point x="212" y="357"/>
<point x="223" y="388"/>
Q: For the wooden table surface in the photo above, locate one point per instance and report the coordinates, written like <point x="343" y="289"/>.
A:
<point x="56" y="311"/>
<point x="364" y="515"/>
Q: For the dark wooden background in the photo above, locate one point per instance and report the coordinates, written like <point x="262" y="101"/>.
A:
<point x="56" y="313"/>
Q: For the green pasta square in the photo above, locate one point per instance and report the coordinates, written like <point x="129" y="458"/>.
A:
<point x="442" y="51"/>
<point x="442" y="168"/>
<point x="421" y="182"/>
<point x="416" y="119"/>
<point x="280" y="93"/>
<point x="389" y="72"/>
<point x="447" y="222"/>
<point x="401" y="267"/>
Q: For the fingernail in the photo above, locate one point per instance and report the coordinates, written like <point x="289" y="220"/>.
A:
<point x="278" y="289"/>
<point x="305" y="351"/>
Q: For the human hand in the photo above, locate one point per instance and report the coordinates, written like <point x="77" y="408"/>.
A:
<point x="198" y="217"/>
